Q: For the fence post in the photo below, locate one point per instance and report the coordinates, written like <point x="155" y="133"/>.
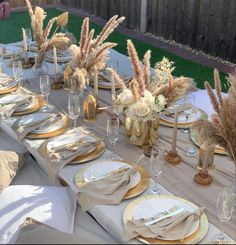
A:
<point x="143" y="16"/>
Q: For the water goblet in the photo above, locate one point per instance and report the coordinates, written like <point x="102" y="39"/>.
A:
<point x="45" y="88"/>
<point x="224" y="212"/>
<point x="156" y="167"/>
<point x="1" y="59"/>
<point x="74" y="107"/>
<point x="18" y="74"/>
<point x="113" y="132"/>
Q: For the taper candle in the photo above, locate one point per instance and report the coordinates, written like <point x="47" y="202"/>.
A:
<point x="205" y="161"/>
<point x="25" y="48"/>
<point x="96" y="82"/>
<point x="55" y="64"/>
<point x="113" y="88"/>
<point x="174" y="135"/>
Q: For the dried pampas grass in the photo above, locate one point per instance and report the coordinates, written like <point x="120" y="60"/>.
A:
<point x="222" y="129"/>
<point x="92" y="52"/>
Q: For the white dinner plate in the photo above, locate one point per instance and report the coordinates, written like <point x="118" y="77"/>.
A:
<point x="102" y="168"/>
<point x="12" y="50"/>
<point x="40" y="116"/>
<point x="13" y="98"/>
<point x="33" y="101"/>
<point x="181" y="119"/>
<point x="67" y="139"/>
<point x="150" y="207"/>
<point x="62" y="56"/>
<point x="7" y="83"/>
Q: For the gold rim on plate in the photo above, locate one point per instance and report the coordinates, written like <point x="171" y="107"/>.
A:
<point x="195" y="140"/>
<point x="35" y="107"/>
<point x="8" y="90"/>
<point x="100" y="149"/>
<point x="135" y="191"/>
<point x="195" y="238"/>
<point x="55" y="133"/>
<point x="184" y="125"/>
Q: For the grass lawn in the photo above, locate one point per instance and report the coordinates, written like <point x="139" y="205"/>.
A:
<point x="10" y="30"/>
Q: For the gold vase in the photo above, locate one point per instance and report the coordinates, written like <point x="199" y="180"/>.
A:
<point x="141" y="133"/>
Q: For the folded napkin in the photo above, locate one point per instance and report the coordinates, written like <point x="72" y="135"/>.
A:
<point x="59" y="159"/>
<point x="69" y="152"/>
<point x="109" y="190"/>
<point x="26" y="129"/>
<point x="6" y="111"/>
<point x="173" y="228"/>
<point x="5" y="81"/>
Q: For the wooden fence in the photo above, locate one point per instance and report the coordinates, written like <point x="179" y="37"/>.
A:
<point x="21" y="3"/>
<point x="208" y="25"/>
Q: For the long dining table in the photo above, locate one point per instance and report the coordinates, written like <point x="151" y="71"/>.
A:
<point x="175" y="180"/>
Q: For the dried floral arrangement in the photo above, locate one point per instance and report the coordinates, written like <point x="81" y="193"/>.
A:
<point x="222" y="128"/>
<point x="145" y="98"/>
<point x="59" y="40"/>
<point x="91" y="54"/>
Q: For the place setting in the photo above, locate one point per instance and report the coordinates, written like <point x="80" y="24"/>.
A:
<point x="187" y="113"/>
<point x="63" y="56"/>
<point x="7" y="84"/>
<point x="164" y="219"/>
<point x="41" y="125"/>
<point x="108" y="182"/>
<point x="18" y="104"/>
<point x="73" y="147"/>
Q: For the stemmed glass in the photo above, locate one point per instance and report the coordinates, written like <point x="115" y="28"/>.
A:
<point x="113" y="125"/>
<point x="28" y="36"/>
<point x="18" y="74"/>
<point x="45" y="88"/>
<point x="156" y="167"/>
<point x="224" y="212"/>
<point x="1" y="59"/>
<point x="74" y="106"/>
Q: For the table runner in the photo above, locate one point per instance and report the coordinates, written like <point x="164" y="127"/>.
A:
<point x="177" y="179"/>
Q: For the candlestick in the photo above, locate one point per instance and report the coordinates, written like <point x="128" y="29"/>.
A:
<point x="96" y="82"/>
<point x="172" y="156"/>
<point x="113" y="88"/>
<point x="25" y="48"/>
<point x="174" y="135"/>
<point x="205" y="161"/>
<point x="55" y="64"/>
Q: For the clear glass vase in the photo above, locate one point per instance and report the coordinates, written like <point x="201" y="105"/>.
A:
<point x="40" y="67"/>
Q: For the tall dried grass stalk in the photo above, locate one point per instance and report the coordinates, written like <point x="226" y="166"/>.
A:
<point x="134" y="86"/>
<point x="147" y="67"/>
<point x="139" y="75"/>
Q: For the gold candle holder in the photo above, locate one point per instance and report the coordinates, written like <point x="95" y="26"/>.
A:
<point x="90" y="108"/>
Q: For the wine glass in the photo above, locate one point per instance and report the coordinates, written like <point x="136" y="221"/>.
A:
<point x="74" y="106"/>
<point x="28" y="34"/>
<point x="18" y="74"/>
<point x="1" y="59"/>
<point x="224" y="212"/>
<point x="113" y="132"/>
<point x="156" y="167"/>
<point x="45" y="88"/>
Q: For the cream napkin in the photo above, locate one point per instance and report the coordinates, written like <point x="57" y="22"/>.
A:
<point x="110" y="190"/>
<point x="6" y="111"/>
<point x="174" y="228"/>
<point x="58" y="160"/>
<point x="24" y="130"/>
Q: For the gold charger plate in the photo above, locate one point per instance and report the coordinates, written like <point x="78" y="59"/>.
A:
<point x="195" y="140"/>
<point x="8" y="90"/>
<point x="195" y="238"/>
<point x="35" y="107"/>
<point x="135" y="191"/>
<point x="183" y="125"/>
<point x="100" y="149"/>
<point x="55" y="133"/>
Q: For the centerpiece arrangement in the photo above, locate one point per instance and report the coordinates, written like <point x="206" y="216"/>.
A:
<point x="221" y="130"/>
<point x="90" y="56"/>
<point x="58" y="40"/>
<point x="144" y="98"/>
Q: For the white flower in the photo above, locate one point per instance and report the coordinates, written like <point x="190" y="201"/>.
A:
<point x="159" y="103"/>
<point x="126" y="97"/>
<point x="139" y="109"/>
